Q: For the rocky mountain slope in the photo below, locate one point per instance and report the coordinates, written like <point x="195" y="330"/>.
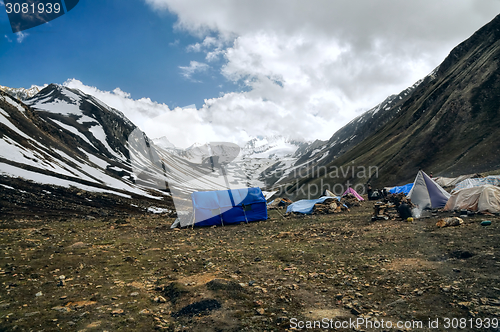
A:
<point x="65" y="138"/>
<point x="447" y="124"/>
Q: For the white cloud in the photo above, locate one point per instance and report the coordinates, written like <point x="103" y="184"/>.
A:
<point x="311" y="66"/>
<point x="1" y="3"/>
<point x="182" y="126"/>
<point x="8" y="39"/>
<point x="21" y="36"/>
<point x="194" y="67"/>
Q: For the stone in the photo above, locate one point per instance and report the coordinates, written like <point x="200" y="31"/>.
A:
<point x="117" y="312"/>
<point x="61" y="309"/>
<point x="160" y="299"/>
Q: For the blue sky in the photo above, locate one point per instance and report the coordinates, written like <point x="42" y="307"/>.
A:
<point x="296" y="68"/>
<point x="109" y="44"/>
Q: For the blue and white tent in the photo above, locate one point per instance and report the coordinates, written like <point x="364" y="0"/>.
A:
<point x="223" y="207"/>
<point x="427" y="194"/>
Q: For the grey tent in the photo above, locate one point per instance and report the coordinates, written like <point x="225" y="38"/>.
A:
<point x="426" y="193"/>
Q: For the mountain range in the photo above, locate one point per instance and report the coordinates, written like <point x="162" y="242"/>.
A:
<point x="446" y="123"/>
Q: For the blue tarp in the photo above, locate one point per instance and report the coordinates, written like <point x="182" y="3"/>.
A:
<point x="306" y="206"/>
<point x="402" y="189"/>
<point x="228" y="206"/>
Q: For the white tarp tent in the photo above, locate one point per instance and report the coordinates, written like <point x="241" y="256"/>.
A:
<point x="451" y="182"/>
<point x="478" y="182"/>
<point x="483" y="198"/>
<point x="426" y="193"/>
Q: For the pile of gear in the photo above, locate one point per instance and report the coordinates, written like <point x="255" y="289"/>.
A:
<point x="393" y="207"/>
<point x="279" y="203"/>
<point x="330" y="205"/>
<point x="350" y="200"/>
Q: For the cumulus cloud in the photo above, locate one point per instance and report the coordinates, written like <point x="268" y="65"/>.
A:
<point x="182" y="126"/>
<point x="193" y="68"/>
<point x="311" y="66"/>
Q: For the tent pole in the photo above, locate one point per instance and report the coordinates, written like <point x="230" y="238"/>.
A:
<point x="243" y="207"/>
<point x="282" y="216"/>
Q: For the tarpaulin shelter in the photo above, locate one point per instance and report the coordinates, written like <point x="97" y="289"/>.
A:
<point x="451" y="182"/>
<point x="493" y="180"/>
<point x="401" y="189"/>
<point x="353" y="192"/>
<point x="426" y="193"/>
<point x="483" y="198"/>
<point x="306" y="206"/>
<point x="223" y="207"/>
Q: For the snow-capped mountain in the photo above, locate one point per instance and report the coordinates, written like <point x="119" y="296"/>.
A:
<point x="163" y="143"/>
<point x="273" y="147"/>
<point x="22" y="93"/>
<point x="64" y="137"/>
<point x="245" y="164"/>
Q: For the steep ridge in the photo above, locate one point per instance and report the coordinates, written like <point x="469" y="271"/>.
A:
<point x="447" y="125"/>
<point x="65" y="138"/>
<point x="321" y="153"/>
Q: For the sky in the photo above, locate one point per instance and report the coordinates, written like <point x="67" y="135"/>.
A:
<point x="220" y="70"/>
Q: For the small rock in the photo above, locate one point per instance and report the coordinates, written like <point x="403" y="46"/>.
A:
<point x="260" y="311"/>
<point x="160" y="299"/>
<point x="117" y="312"/>
<point x="78" y="245"/>
<point x="134" y="294"/>
<point x="144" y="312"/>
<point x="94" y="324"/>
<point x="355" y="311"/>
<point x="38" y="294"/>
<point x="61" y="309"/>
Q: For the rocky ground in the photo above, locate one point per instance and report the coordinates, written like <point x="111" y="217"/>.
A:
<point x="132" y="273"/>
<point x="24" y="198"/>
